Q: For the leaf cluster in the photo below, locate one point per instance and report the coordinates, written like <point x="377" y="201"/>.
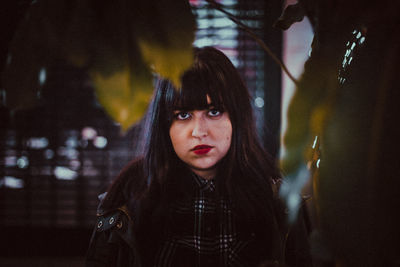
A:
<point x="349" y="120"/>
<point x="119" y="43"/>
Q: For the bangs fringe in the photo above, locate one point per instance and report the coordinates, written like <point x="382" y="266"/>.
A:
<point x="196" y="85"/>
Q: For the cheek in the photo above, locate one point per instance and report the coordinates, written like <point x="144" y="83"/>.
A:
<point x="229" y="134"/>
<point x="177" y="138"/>
<point x="226" y="136"/>
<point x="229" y="138"/>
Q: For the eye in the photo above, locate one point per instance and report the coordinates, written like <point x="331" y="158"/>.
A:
<point x="182" y="115"/>
<point x="214" y="112"/>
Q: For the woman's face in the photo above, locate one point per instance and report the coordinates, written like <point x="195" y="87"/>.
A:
<point x="201" y="138"/>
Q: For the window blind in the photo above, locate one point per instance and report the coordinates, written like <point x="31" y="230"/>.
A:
<point x="56" y="158"/>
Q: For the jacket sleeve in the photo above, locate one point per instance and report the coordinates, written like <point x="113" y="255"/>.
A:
<point x="112" y="242"/>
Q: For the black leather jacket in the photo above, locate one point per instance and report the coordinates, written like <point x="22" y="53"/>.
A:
<point x="113" y="241"/>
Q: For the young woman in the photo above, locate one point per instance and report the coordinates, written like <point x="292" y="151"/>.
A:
<point x="202" y="193"/>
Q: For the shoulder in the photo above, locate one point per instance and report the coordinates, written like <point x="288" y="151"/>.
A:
<point x="113" y="242"/>
<point x="127" y="186"/>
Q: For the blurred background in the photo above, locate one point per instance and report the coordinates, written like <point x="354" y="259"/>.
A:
<point x="57" y="157"/>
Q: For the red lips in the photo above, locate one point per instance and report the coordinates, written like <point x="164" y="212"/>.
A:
<point x="201" y="149"/>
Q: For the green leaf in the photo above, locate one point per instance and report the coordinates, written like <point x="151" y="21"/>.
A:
<point x="118" y="42"/>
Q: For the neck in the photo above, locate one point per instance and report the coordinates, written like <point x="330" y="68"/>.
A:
<point x="206" y="174"/>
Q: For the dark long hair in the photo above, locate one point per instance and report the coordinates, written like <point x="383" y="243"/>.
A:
<point x="246" y="171"/>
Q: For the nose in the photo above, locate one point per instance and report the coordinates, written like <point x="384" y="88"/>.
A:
<point x="200" y="128"/>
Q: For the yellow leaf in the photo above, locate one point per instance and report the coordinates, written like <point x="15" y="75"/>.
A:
<point x="169" y="62"/>
<point x="124" y="96"/>
<point x="165" y="37"/>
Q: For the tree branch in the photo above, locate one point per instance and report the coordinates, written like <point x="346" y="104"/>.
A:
<point x="254" y="36"/>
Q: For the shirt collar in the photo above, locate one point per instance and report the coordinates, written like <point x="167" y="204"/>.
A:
<point x="204" y="184"/>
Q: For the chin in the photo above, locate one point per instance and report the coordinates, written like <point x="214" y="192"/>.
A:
<point x="204" y="166"/>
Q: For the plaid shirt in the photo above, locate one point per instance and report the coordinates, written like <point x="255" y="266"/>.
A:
<point x="204" y="233"/>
